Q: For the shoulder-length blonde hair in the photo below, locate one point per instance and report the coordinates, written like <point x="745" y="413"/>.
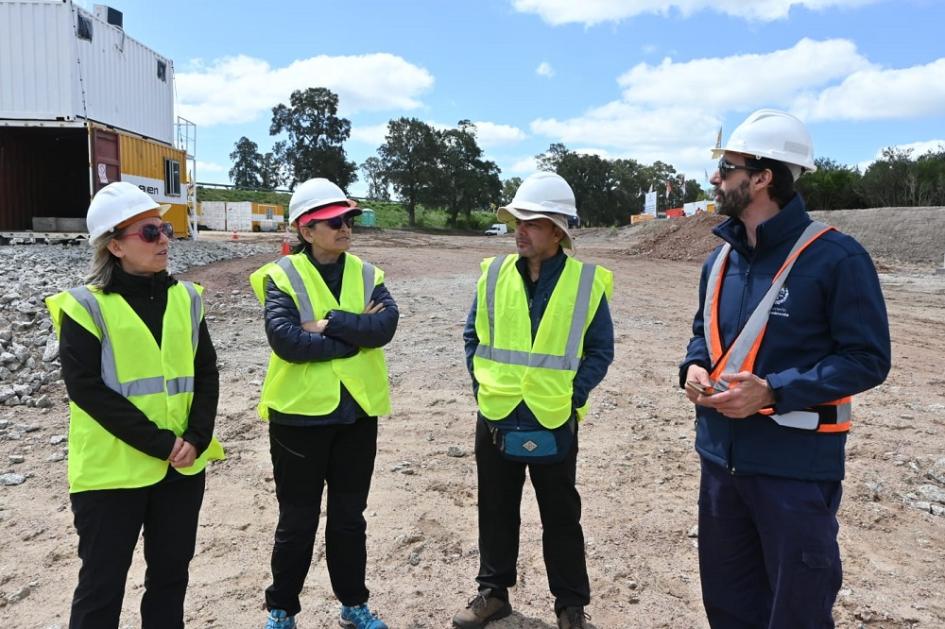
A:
<point x="103" y="262"/>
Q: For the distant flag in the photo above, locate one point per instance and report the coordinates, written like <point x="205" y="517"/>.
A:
<point x="706" y="174"/>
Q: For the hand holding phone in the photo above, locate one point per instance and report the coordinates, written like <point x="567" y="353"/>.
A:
<point x="699" y="389"/>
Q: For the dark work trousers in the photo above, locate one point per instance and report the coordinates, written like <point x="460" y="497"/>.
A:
<point x="304" y="460"/>
<point x="768" y="553"/>
<point x="108" y="522"/>
<point x="500" y="498"/>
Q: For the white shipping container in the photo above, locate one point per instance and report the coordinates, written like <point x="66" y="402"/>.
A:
<point x="226" y="215"/>
<point x="53" y="69"/>
<point x="212" y="215"/>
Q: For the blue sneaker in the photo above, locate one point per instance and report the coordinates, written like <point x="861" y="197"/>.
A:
<point x="278" y="619"/>
<point x="360" y="617"/>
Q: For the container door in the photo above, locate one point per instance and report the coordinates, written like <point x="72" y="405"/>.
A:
<point x="106" y="159"/>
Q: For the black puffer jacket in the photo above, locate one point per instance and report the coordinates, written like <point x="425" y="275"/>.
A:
<point x="344" y="334"/>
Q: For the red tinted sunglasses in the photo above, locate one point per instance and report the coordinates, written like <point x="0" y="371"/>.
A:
<point x="152" y="232"/>
<point x="336" y="222"/>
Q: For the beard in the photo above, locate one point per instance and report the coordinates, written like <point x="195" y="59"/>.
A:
<point x="733" y="202"/>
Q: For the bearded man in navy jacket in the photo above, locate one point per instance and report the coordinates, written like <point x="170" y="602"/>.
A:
<point x="791" y="324"/>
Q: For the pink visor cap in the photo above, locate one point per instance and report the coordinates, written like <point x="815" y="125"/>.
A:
<point x="328" y="211"/>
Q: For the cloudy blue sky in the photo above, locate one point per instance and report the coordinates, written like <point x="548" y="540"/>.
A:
<point x="647" y="79"/>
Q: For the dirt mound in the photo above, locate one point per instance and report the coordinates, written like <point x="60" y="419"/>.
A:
<point x="914" y="235"/>
<point x="684" y="238"/>
<point x="893" y="236"/>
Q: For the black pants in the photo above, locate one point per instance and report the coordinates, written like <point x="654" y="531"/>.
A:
<point x="500" y="497"/>
<point x="108" y="522"/>
<point x="304" y="460"/>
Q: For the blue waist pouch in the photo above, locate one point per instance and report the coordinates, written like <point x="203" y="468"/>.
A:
<point x="533" y="444"/>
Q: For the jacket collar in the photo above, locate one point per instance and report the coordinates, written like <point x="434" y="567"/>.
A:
<point x="128" y="285"/>
<point x="783" y="226"/>
<point x="549" y="267"/>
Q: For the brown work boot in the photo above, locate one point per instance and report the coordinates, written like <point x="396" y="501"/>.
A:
<point x="572" y="618"/>
<point x="482" y="609"/>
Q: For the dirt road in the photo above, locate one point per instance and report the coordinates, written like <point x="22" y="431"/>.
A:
<point x="637" y="469"/>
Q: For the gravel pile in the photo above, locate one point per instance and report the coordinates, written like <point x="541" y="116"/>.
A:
<point x="29" y="351"/>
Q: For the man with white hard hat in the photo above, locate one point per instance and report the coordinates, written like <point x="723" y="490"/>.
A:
<point x="539" y="338"/>
<point x="791" y="324"/>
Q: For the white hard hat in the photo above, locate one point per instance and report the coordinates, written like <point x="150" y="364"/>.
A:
<point x="776" y="135"/>
<point x="116" y="203"/>
<point x="543" y="192"/>
<point x="312" y="194"/>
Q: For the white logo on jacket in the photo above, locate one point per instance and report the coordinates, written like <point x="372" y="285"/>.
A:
<point x="777" y="310"/>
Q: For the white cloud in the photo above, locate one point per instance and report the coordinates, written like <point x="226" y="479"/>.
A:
<point x="242" y="88"/>
<point x="818" y="80"/>
<point x="918" y="149"/>
<point x="874" y="93"/>
<point x="678" y="135"/>
<point x="490" y="134"/>
<point x="776" y="77"/>
<point x="544" y="69"/>
<point x="625" y="126"/>
<point x="591" y="12"/>
<point x="210" y="167"/>
<point x="522" y="166"/>
<point x="369" y="134"/>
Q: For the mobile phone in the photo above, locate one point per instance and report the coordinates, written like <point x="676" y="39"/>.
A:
<point x="695" y="387"/>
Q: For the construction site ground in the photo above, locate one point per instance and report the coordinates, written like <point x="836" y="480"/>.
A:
<point x="637" y="469"/>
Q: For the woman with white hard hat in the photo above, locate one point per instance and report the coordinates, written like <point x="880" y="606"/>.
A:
<point x="141" y="374"/>
<point x="327" y="315"/>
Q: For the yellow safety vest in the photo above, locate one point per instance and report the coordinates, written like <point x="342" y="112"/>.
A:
<point x="508" y="366"/>
<point x="313" y="388"/>
<point x="158" y="380"/>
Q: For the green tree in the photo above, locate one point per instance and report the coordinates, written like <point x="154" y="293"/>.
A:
<point x="930" y="172"/>
<point x="509" y="188"/>
<point x="593" y="181"/>
<point x="889" y="181"/>
<point x="693" y="191"/>
<point x="410" y="157"/>
<point x="316" y="135"/>
<point x="832" y="186"/>
<point x="246" y="159"/>
<point x="373" y="170"/>
<point x="464" y="180"/>
<point x="272" y="168"/>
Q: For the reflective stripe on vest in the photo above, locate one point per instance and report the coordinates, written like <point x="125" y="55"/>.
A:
<point x="156" y="378"/>
<point x="571" y="360"/>
<point x="306" y="311"/>
<point x="515" y="364"/>
<point x="143" y="386"/>
<point x="312" y="388"/>
<point x="828" y="417"/>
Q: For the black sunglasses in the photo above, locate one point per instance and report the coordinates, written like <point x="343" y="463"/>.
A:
<point x="336" y="222"/>
<point x="151" y="232"/>
<point x="726" y="168"/>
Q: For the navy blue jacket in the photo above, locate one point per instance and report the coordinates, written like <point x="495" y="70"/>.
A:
<point x="598" y="340"/>
<point x="344" y="334"/>
<point x="827" y="338"/>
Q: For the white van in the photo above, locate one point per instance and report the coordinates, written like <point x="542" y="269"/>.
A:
<point x="497" y="229"/>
